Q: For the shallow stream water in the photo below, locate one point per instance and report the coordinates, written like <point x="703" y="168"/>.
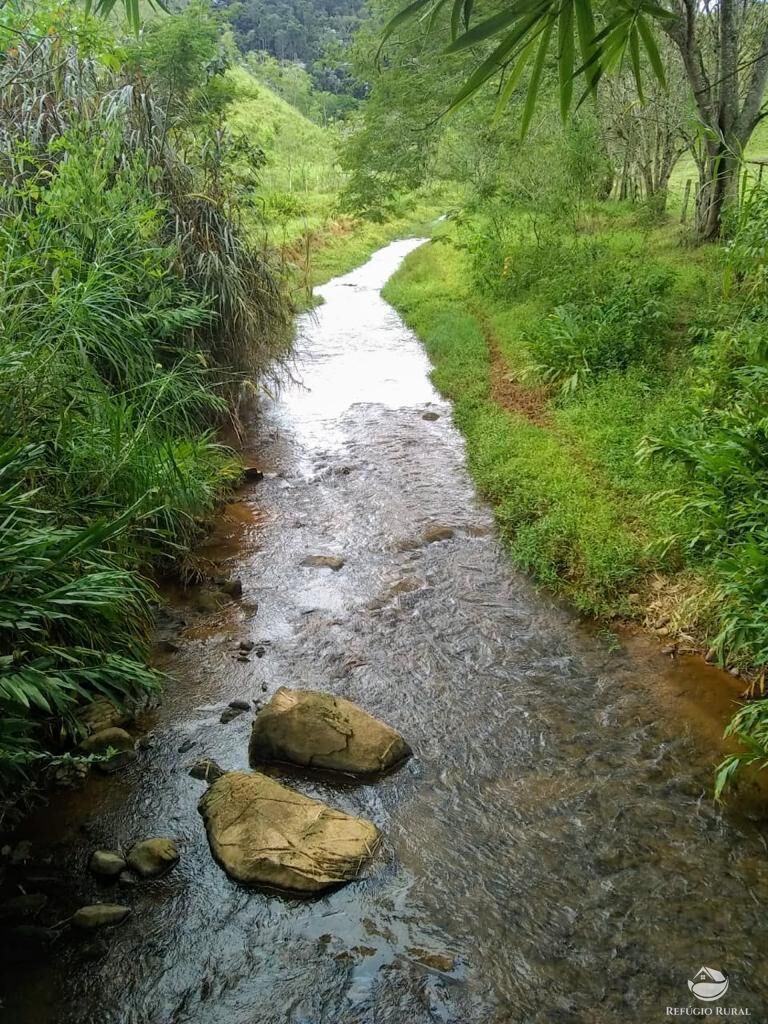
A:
<point x="551" y="853"/>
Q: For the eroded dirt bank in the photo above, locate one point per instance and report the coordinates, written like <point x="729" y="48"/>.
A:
<point x="551" y="853"/>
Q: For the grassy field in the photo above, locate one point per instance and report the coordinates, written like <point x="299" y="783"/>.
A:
<point x="574" y="505"/>
<point x="300" y="177"/>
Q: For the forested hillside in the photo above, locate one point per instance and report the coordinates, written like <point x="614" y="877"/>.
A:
<point x="299" y="30"/>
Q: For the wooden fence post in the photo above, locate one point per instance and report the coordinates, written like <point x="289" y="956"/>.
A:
<point x="686" y="198"/>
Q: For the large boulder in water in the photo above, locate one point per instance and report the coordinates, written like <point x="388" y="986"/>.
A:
<point x="263" y="833"/>
<point x="318" y="730"/>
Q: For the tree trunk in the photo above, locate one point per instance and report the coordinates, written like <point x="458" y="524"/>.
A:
<point x="729" y="115"/>
<point x="717" y="186"/>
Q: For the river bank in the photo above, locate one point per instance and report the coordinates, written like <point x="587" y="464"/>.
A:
<point x="552" y="846"/>
<point x="575" y="506"/>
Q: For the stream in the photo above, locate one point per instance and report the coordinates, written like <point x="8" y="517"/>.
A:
<point x="551" y="853"/>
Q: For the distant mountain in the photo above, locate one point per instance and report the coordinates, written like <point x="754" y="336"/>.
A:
<point x="298" y="30"/>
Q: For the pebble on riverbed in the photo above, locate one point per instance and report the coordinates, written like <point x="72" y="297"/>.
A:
<point x="153" y="857"/>
<point x="206" y="770"/>
<point x="433" y="534"/>
<point x="106" y="863"/>
<point x="334" y="562"/>
<point x="230" y="714"/>
<point x="100" y="915"/>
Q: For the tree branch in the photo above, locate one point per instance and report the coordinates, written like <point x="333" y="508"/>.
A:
<point x="753" y="100"/>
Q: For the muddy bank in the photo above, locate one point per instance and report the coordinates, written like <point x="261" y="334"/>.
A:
<point x="551" y="851"/>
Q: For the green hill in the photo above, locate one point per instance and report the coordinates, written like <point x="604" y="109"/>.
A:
<point x="300" y="177"/>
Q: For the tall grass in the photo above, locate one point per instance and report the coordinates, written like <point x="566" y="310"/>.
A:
<point x="132" y="309"/>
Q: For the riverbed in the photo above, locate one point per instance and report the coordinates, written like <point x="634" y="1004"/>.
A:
<point x="551" y="852"/>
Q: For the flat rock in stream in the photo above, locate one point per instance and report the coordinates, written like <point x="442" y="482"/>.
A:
<point x="100" y="915"/>
<point x="319" y="730"/>
<point x="323" y="562"/>
<point x="434" y="534"/>
<point x="263" y="833"/>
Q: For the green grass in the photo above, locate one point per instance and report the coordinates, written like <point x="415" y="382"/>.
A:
<point x="572" y="502"/>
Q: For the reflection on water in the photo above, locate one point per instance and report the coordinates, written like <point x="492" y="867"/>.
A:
<point x="551" y="853"/>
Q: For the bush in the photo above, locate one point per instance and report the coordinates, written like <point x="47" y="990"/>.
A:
<point x="131" y="306"/>
<point x="619" y="319"/>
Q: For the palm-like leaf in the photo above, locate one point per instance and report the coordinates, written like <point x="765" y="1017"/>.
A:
<point x="525" y="30"/>
<point x="130" y="7"/>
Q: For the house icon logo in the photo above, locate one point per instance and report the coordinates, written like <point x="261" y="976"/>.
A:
<point x="709" y="984"/>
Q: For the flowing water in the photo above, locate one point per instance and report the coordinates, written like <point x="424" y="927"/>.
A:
<point x="551" y="853"/>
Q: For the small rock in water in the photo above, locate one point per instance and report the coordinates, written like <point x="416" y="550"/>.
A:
<point x="323" y="562"/>
<point x="127" y="878"/>
<point x="185" y="746"/>
<point x="230" y="714"/>
<point x="240" y="705"/>
<point x="100" y="915"/>
<point x="443" y="962"/>
<point x="92" y="951"/>
<point x="153" y="857"/>
<point x="233" y="588"/>
<point x="252" y="474"/>
<point x="430" y="416"/>
<point x="264" y="687"/>
<point x="106" y="863"/>
<point x="247" y="645"/>
<point x="670" y="649"/>
<point x="100" y="741"/>
<point x="433" y="534"/>
<point x="69" y="774"/>
<point x="206" y="770"/>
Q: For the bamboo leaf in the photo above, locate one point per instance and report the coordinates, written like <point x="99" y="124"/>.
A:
<point x="514" y="76"/>
<point x="566" y="56"/>
<point x="634" y="53"/>
<point x="651" y="49"/>
<point x="492" y="26"/>
<point x="401" y="18"/>
<point x="490" y="65"/>
<point x="533" y="87"/>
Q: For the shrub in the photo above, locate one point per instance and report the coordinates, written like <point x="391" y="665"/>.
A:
<point x="131" y="306"/>
<point x="620" y="319"/>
